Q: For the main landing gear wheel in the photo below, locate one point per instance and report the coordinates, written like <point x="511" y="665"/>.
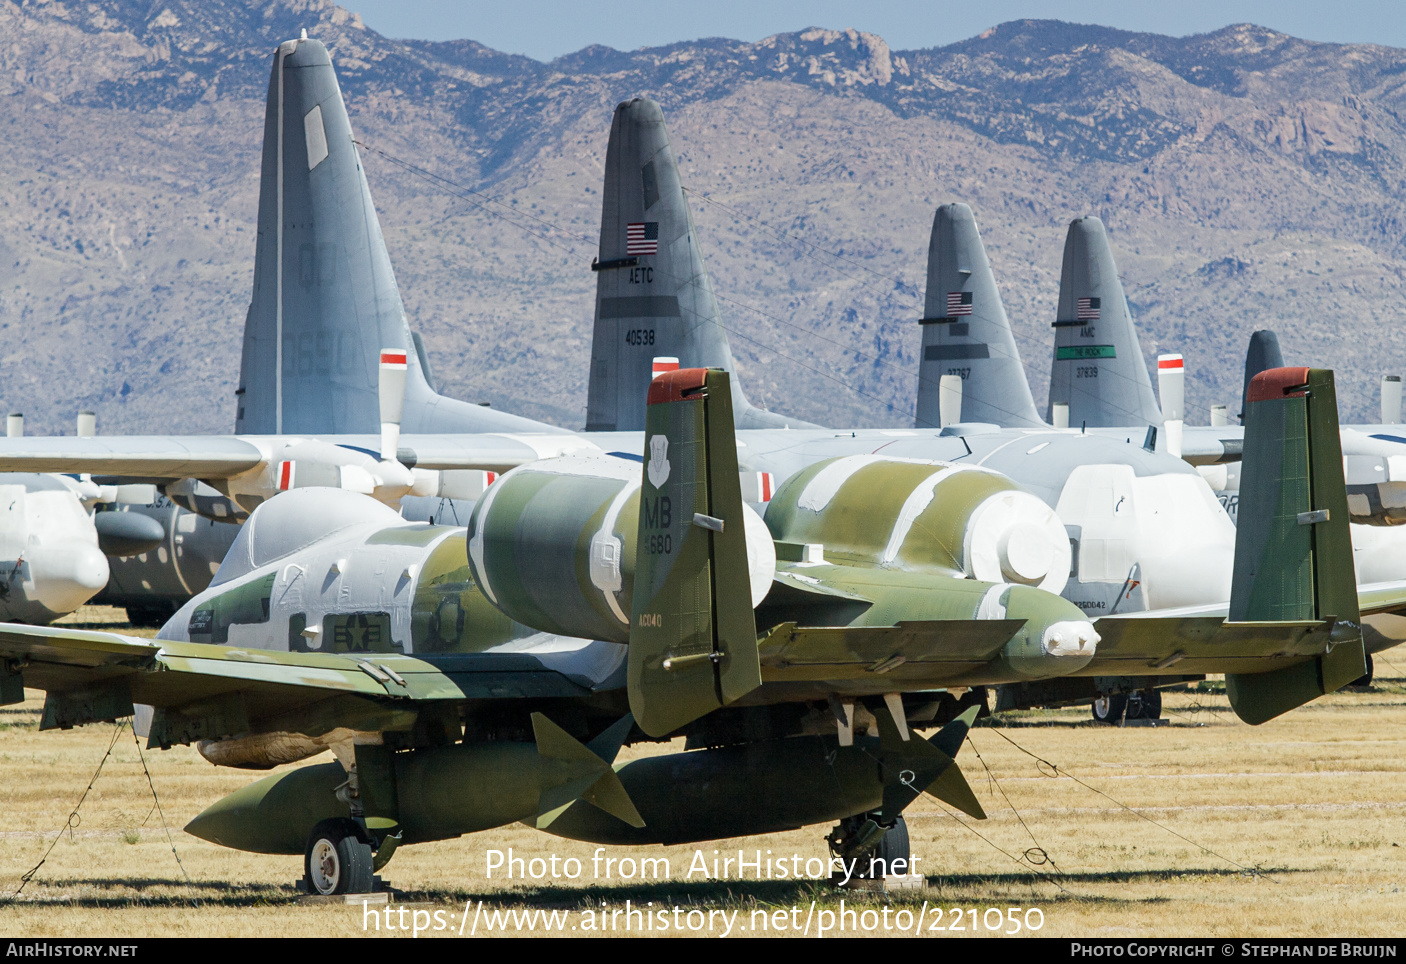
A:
<point x="1114" y="709"/>
<point x="1110" y="709"/>
<point x="337" y="860"/>
<point x="893" y="845"/>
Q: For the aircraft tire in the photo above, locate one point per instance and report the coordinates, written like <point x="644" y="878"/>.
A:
<point x="893" y="845"/>
<point x="1109" y="709"/>
<point x="337" y="860"/>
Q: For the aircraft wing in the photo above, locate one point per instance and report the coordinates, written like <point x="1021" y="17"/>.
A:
<point x="144" y="456"/>
<point x="202" y="691"/>
<point x="1198" y="639"/>
<point x="494" y="453"/>
<point x="222" y="457"/>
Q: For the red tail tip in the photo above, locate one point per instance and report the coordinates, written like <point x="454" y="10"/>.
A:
<point x="1277" y="383"/>
<point x="674" y="386"/>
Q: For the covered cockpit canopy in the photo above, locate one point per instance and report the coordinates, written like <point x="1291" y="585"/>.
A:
<point x="295" y="520"/>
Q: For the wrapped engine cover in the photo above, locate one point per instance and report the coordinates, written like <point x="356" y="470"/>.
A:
<point x="552" y="545"/>
<point x="915" y="514"/>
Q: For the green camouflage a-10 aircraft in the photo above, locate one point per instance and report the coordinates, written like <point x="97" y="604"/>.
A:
<point x="467" y="679"/>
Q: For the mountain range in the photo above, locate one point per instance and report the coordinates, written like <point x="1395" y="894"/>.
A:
<point x="1248" y="180"/>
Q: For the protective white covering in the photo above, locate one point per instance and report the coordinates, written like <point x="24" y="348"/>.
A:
<point x="1015" y="537"/>
<point x="761" y="554"/>
<point x="1070" y="637"/>
<point x="296" y="519"/>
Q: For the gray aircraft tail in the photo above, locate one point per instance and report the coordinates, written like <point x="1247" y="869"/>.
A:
<point x="325" y="300"/>
<point x="653" y="295"/>
<point x="1098" y="369"/>
<point x="966" y="331"/>
<point x="1262" y="355"/>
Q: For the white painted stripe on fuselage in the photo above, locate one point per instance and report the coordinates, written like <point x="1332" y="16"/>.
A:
<point x="826" y="484"/>
<point x="918" y="500"/>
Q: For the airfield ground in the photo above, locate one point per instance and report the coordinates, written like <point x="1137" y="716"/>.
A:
<point x="1293" y="828"/>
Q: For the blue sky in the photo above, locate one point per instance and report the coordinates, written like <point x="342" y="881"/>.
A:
<point x="545" y="29"/>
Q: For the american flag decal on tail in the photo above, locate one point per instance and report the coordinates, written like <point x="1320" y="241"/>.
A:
<point x="642" y="237"/>
<point x="959" y="303"/>
<point x="1086" y="309"/>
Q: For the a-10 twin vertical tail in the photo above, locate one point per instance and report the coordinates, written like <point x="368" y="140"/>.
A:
<point x="1293" y="551"/>
<point x="693" y="636"/>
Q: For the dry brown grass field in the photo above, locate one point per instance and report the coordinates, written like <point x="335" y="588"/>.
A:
<point x="1202" y="827"/>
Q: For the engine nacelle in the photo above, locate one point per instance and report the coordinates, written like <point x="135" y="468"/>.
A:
<point x="552" y="544"/>
<point x="923" y="515"/>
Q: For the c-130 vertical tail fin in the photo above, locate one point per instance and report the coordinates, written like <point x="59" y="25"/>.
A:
<point x="325" y="300"/>
<point x="966" y="331"/>
<point x="653" y="295"/>
<point x="1098" y="368"/>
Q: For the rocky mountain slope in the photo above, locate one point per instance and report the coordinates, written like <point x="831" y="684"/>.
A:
<point x="1248" y="179"/>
